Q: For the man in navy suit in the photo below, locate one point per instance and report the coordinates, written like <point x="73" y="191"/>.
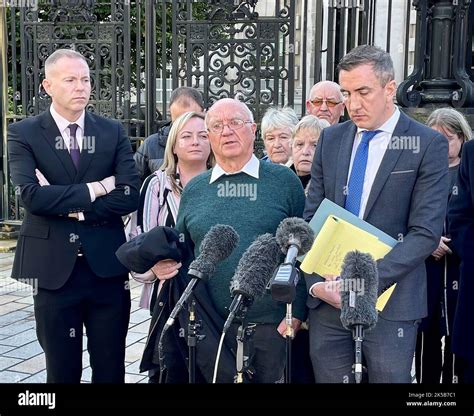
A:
<point x="76" y="177"/>
<point x="392" y="172"/>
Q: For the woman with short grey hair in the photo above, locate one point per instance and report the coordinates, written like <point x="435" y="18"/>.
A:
<point x="277" y="129"/>
<point x="303" y="146"/>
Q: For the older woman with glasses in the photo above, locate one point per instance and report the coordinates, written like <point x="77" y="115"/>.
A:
<point x="277" y="130"/>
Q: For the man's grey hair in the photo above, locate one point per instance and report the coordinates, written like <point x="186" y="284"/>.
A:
<point x="451" y="120"/>
<point x="369" y="55"/>
<point x="278" y="118"/>
<point x="186" y="96"/>
<point x="61" y="53"/>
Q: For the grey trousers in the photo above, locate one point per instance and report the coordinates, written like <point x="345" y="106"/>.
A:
<point x="388" y="349"/>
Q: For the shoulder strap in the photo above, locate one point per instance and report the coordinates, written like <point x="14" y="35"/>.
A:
<point x="141" y="201"/>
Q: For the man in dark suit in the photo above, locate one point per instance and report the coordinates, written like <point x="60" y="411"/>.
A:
<point x="392" y="172"/>
<point x="76" y="177"/>
<point x="461" y="230"/>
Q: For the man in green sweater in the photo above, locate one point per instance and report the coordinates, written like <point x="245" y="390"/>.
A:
<point x="253" y="198"/>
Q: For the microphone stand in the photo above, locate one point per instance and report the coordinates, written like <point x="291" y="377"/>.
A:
<point x="358" y="337"/>
<point x="193" y="339"/>
<point x="289" y="334"/>
<point x="244" y="351"/>
<point x="192" y="343"/>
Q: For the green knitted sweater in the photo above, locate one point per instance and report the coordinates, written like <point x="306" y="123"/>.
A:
<point x="253" y="207"/>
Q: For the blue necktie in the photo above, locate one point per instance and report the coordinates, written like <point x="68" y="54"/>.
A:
<point x="73" y="146"/>
<point x="356" y="180"/>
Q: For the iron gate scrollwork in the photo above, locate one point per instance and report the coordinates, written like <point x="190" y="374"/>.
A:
<point x="235" y="52"/>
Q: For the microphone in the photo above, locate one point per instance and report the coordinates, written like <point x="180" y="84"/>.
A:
<point x="295" y="238"/>
<point x="217" y="245"/>
<point x="253" y="271"/>
<point x="359" y="286"/>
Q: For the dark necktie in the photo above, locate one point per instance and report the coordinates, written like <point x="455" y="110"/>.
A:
<point x="73" y="146"/>
<point x="356" y="180"/>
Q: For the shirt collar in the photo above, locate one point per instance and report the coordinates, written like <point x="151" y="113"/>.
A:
<point x="63" y="123"/>
<point x="251" y="168"/>
<point x="389" y="125"/>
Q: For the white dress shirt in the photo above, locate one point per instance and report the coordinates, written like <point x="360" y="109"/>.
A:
<point x="63" y="126"/>
<point x="251" y="168"/>
<point x="377" y="147"/>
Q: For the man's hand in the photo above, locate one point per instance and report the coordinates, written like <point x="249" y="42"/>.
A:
<point x="166" y="269"/>
<point x="295" y="324"/>
<point x="442" y="249"/>
<point x="41" y="179"/>
<point x="328" y="291"/>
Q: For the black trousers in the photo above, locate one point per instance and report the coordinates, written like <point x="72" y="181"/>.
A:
<point x="102" y="305"/>
<point x="432" y="364"/>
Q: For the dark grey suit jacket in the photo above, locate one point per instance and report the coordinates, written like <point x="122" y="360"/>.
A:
<point x="408" y="201"/>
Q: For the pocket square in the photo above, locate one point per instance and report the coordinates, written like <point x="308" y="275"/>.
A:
<point x="400" y="172"/>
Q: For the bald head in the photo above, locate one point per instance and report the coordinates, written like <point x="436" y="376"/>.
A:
<point x="225" y="103"/>
<point x="231" y="133"/>
<point x="325" y="101"/>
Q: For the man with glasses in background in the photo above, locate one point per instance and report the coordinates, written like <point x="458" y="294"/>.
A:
<point x="326" y="102"/>
<point x="252" y="197"/>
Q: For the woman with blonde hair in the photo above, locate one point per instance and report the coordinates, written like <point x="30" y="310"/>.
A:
<point x="187" y="154"/>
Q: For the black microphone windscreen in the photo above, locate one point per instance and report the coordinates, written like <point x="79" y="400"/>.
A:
<point x="256" y="267"/>
<point x="359" y="285"/>
<point x="295" y="231"/>
<point x="217" y="245"/>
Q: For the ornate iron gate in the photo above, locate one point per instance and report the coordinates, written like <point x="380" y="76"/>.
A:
<point x="140" y="50"/>
<point x="234" y="52"/>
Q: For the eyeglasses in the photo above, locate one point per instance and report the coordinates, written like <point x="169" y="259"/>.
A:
<point x="318" y="102"/>
<point x="234" y="124"/>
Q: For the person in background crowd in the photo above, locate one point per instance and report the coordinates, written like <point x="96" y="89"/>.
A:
<point x="303" y="145"/>
<point x="433" y="361"/>
<point x="149" y="156"/>
<point x="326" y="102"/>
<point x="461" y="232"/>
<point x="277" y="130"/>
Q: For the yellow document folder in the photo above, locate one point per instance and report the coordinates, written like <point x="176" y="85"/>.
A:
<point x="335" y="239"/>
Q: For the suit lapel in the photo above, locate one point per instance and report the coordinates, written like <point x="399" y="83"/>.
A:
<point x="89" y="145"/>
<point x="389" y="161"/>
<point x="344" y="159"/>
<point x="54" y="139"/>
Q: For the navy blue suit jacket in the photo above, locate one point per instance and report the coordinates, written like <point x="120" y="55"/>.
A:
<point x="49" y="240"/>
